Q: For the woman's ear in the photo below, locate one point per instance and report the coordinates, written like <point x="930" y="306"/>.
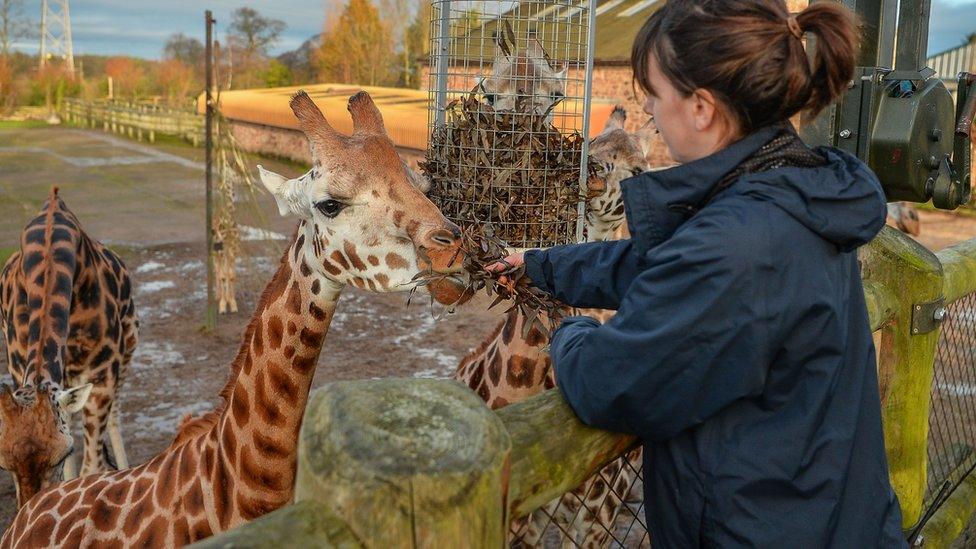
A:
<point x="705" y="110"/>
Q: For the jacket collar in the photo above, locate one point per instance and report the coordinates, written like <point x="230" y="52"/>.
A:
<point x="658" y="202"/>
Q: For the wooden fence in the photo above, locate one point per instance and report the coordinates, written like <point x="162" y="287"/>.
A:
<point x="136" y="120"/>
<point x="423" y="463"/>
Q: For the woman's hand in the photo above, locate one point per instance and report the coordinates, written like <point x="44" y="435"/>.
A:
<point x="510" y="262"/>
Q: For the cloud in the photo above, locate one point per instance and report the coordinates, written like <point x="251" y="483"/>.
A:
<point x="950" y="22"/>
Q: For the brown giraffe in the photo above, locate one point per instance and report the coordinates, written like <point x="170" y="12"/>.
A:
<point x="69" y="322"/>
<point x="512" y="364"/>
<point x="524" y="81"/>
<point x="362" y="223"/>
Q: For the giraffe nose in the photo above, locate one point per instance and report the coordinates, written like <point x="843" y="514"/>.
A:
<point x="447" y="235"/>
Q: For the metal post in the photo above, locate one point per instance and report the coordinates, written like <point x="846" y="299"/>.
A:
<point x="211" y="320"/>
<point x="913" y="34"/>
<point x="443" y="59"/>
<point x="587" y="100"/>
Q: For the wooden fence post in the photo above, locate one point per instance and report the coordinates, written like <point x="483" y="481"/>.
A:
<point x="906" y="357"/>
<point x="407" y="462"/>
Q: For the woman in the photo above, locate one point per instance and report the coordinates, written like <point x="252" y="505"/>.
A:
<point x="741" y="354"/>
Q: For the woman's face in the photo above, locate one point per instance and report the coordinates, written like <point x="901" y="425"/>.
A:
<point x="690" y="125"/>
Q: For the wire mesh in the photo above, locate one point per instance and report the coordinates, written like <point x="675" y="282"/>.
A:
<point x="607" y="510"/>
<point x="952" y="419"/>
<point x="509" y="95"/>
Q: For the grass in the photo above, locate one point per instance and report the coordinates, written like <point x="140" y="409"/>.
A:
<point x="22" y="124"/>
<point x="6" y="253"/>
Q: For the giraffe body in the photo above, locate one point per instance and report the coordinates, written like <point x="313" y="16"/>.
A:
<point x="512" y="364"/>
<point x="69" y="321"/>
<point x="362" y="223"/>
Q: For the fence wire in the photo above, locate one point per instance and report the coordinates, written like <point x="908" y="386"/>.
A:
<point x="952" y="419"/>
<point x="605" y="511"/>
<point x="509" y="85"/>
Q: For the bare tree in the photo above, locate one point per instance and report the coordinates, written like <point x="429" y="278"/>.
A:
<point x="13" y="24"/>
<point x="249" y="37"/>
<point x="185" y="49"/>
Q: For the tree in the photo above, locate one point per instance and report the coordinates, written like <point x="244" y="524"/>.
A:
<point x="358" y="48"/>
<point x="184" y="49"/>
<point x="416" y="44"/>
<point x="255" y="32"/>
<point x="13" y="24"/>
<point x="175" y="80"/>
<point x="126" y="74"/>
<point x="249" y="37"/>
<point x="277" y="75"/>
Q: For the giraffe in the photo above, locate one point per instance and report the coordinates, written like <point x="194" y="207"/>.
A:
<point x="522" y="81"/>
<point x="904" y="217"/>
<point x="69" y="322"/>
<point x="361" y="223"/>
<point x="512" y="363"/>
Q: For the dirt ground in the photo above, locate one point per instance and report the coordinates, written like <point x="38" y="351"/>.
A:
<point x="147" y="203"/>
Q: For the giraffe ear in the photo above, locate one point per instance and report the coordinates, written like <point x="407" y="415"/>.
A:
<point x="73" y="399"/>
<point x="276" y="185"/>
<point x="417" y="179"/>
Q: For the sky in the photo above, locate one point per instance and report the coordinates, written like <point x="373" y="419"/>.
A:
<point x="140" y="27"/>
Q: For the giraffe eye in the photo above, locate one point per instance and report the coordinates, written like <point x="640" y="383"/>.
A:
<point x="330" y="208"/>
<point x="490" y="98"/>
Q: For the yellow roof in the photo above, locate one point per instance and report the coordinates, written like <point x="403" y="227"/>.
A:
<point x="404" y="110"/>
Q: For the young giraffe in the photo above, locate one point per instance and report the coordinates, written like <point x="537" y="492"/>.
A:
<point x="512" y="365"/>
<point x="362" y="223"/>
<point x="524" y="81"/>
<point x="69" y="321"/>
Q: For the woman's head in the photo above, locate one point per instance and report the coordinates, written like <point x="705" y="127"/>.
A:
<point x="716" y="70"/>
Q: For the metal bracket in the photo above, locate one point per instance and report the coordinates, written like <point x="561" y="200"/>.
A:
<point x="926" y="317"/>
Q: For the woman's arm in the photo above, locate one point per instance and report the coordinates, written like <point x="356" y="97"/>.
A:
<point x="594" y="274"/>
<point x="690" y="337"/>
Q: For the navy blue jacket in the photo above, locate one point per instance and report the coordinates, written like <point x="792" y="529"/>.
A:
<point x="741" y="353"/>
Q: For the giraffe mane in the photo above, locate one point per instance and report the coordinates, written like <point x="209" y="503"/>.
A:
<point x="483" y="346"/>
<point x="47" y="263"/>
<point x="191" y="427"/>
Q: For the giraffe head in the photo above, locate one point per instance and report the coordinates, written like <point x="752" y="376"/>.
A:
<point x="522" y="81"/>
<point x="619" y="155"/>
<point x="365" y="222"/>
<point x="34" y="436"/>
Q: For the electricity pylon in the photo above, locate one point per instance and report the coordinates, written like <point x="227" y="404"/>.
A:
<point x="56" y="33"/>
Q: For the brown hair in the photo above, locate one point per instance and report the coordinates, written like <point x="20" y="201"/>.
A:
<point x="750" y="55"/>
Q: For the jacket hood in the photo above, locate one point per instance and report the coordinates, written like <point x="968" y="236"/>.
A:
<point x="842" y="201"/>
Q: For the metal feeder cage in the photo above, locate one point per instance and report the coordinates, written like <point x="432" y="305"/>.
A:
<point x="509" y="111"/>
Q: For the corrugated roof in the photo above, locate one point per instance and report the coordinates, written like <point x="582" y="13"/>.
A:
<point x="404" y="110"/>
<point x="560" y="29"/>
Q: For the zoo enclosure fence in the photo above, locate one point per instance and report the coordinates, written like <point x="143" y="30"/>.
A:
<point x="137" y="120"/>
<point x="396" y="463"/>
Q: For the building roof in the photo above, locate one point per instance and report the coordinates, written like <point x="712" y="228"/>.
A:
<point x="558" y="25"/>
<point x="404" y="110"/>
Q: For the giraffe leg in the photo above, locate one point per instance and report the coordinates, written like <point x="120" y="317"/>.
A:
<point x="115" y="436"/>
<point x="95" y="419"/>
<point x="70" y="468"/>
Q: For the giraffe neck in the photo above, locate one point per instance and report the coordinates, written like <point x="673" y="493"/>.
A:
<point x="257" y="432"/>
<point x="50" y="248"/>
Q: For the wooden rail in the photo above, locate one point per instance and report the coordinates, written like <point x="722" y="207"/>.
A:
<point x="136" y="120"/>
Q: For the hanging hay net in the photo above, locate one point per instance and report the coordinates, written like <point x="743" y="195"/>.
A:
<point x="511" y="170"/>
<point x="509" y="113"/>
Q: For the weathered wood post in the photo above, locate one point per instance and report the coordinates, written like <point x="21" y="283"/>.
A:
<point x="406" y="462"/>
<point x="906" y="356"/>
